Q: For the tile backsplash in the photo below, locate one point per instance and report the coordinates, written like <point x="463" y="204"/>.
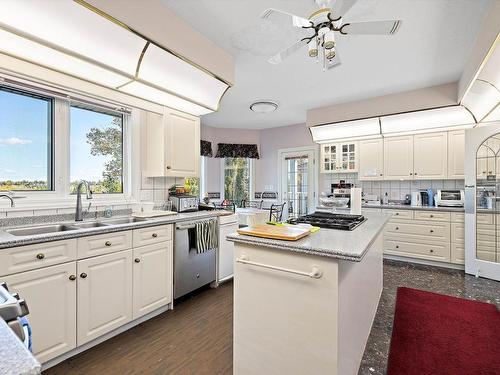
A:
<point x="155" y="189"/>
<point x="395" y="189"/>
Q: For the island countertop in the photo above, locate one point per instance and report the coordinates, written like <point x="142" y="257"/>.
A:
<point x="340" y="244"/>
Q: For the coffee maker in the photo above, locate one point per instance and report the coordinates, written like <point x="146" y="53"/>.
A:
<point x="342" y="190"/>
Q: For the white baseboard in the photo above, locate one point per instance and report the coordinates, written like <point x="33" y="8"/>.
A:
<point x="425" y="262"/>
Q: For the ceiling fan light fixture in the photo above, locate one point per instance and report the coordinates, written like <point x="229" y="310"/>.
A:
<point x="264" y="106"/>
<point x="330" y="53"/>
<point x="329" y="40"/>
<point x="313" y="47"/>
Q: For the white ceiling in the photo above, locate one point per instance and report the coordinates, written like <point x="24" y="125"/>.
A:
<point x="430" y="48"/>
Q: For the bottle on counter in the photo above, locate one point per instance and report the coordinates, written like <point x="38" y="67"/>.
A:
<point x="385" y="199"/>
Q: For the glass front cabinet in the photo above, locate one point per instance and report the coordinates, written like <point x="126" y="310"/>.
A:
<point x="339" y="158"/>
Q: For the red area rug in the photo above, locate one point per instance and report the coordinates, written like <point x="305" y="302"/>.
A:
<point x="435" y="334"/>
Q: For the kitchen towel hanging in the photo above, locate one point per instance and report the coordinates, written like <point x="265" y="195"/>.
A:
<point x="206" y="236"/>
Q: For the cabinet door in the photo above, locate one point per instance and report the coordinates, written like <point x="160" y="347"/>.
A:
<point x="153" y="278"/>
<point x="456" y="150"/>
<point x="226" y="251"/>
<point x="430" y="159"/>
<point x="347" y="158"/>
<point x="329" y="156"/>
<point x="51" y="299"/>
<point x="152" y="144"/>
<point x="398" y="158"/>
<point x="183" y="145"/>
<point x="104" y="294"/>
<point x="371" y="159"/>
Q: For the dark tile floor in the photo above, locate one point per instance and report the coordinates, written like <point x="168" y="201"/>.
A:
<point x="166" y="344"/>
<point x="439" y="280"/>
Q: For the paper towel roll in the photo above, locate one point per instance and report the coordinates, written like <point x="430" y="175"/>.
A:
<point x="356" y="201"/>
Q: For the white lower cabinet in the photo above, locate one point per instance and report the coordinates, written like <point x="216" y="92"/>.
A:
<point x="104" y="294"/>
<point x="226" y="250"/>
<point x="50" y="293"/>
<point x="152" y="275"/>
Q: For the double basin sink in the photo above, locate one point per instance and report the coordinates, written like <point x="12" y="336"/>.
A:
<point x="55" y="228"/>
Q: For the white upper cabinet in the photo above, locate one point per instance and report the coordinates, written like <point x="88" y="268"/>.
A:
<point x="398" y="158"/>
<point x="170" y="144"/>
<point x="339" y="157"/>
<point x="371" y="159"/>
<point x="430" y="155"/>
<point x="456" y="150"/>
<point x="183" y="144"/>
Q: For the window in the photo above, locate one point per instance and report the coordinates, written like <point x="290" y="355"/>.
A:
<point x="96" y="150"/>
<point x="25" y="141"/>
<point x="237" y="179"/>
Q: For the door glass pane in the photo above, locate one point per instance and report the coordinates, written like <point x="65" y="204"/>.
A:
<point x="297" y="168"/>
<point x="487" y="191"/>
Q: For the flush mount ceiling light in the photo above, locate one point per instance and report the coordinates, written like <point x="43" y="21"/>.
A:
<point x="264" y="106"/>
<point x="320" y="28"/>
<point x="67" y="36"/>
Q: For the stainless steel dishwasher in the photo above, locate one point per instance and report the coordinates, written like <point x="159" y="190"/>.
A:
<point x="191" y="270"/>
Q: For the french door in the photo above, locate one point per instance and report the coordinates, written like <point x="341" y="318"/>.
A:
<point x="298" y="180"/>
<point x="482" y="201"/>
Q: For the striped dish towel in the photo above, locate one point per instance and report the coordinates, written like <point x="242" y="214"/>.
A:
<point x="206" y="236"/>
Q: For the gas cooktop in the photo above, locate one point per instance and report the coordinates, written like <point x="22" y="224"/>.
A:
<point x="330" y="220"/>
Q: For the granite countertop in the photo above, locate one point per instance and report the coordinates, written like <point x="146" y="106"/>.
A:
<point x="15" y="357"/>
<point x="8" y="240"/>
<point x="416" y="208"/>
<point x="339" y="244"/>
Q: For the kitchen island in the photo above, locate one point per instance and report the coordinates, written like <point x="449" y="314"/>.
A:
<point x="306" y="306"/>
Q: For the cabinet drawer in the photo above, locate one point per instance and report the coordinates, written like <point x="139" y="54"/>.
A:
<point x="436" y="231"/>
<point x="458" y="233"/>
<point x="25" y="258"/>
<point x="457" y="253"/>
<point x="226" y="219"/>
<point x="104" y="244"/>
<point x="439" y="251"/>
<point x="152" y="235"/>
<point x="457" y="217"/>
<point x="432" y="216"/>
<point x="485" y="218"/>
<point x="401" y="214"/>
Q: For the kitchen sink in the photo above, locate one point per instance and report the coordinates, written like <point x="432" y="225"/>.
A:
<point x="124" y="220"/>
<point x="31" y="231"/>
<point x="90" y="224"/>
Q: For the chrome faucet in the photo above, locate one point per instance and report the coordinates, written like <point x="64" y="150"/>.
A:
<point x="78" y="213"/>
<point x="9" y="198"/>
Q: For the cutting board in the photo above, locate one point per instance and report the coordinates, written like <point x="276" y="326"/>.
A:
<point x="288" y="233"/>
<point x="155" y="213"/>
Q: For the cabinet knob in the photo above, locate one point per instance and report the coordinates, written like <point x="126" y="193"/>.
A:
<point x="154" y="235"/>
<point x="83" y="275"/>
<point x="397" y="228"/>
<point x="40" y="256"/>
<point x="107" y="243"/>
<point x="397" y="214"/>
<point x="432" y="231"/>
<point x="415" y="173"/>
<point x="169" y="167"/>
<point x="411" y="174"/>
<point x="381" y="174"/>
<point x="397" y="246"/>
<point x="431" y="251"/>
<point x="137" y="260"/>
<point x="72" y="277"/>
<point x="432" y="216"/>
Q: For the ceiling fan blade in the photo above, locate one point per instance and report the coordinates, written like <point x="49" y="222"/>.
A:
<point x="333" y="62"/>
<point x="279" y="15"/>
<point x="373" y="28"/>
<point x="341" y="7"/>
<point x="282" y="55"/>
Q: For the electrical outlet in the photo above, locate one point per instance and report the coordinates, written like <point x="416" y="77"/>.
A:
<point x="108" y="212"/>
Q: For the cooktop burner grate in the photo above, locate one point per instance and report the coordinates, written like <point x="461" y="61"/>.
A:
<point x="330" y="220"/>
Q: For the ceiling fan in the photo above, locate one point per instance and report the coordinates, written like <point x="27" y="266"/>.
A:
<point x="321" y="26"/>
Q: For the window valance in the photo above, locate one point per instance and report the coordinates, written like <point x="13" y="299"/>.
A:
<point x="234" y="150"/>
<point x="206" y="148"/>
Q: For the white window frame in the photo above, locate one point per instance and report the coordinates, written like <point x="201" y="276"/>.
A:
<point x="252" y="178"/>
<point x="60" y="196"/>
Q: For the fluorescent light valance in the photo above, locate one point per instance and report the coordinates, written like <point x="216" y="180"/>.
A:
<point x="348" y="129"/>
<point x="481" y="99"/>
<point x="76" y="39"/>
<point x="433" y="119"/>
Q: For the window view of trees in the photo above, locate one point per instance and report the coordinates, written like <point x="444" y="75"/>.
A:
<point x="25" y="141"/>
<point x="237" y="179"/>
<point x="96" y="144"/>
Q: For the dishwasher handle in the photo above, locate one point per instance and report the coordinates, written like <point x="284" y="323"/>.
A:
<point x="190" y="225"/>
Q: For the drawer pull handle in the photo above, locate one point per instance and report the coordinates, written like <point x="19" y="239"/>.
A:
<point x="107" y="243"/>
<point x="40" y="256"/>
<point x="397" y="246"/>
<point x="154" y="235"/>
<point x="432" y="215"/>
<point x="314" y="274"/>
<point x="72" y="277"/>
<point x="83" y="275"/>
<point x="431" y="251"/>
<point x="397" y="213"/>
<point x="397" y="228"/>
<point x="432" y="231"/>
<point x="137" y="260"/>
